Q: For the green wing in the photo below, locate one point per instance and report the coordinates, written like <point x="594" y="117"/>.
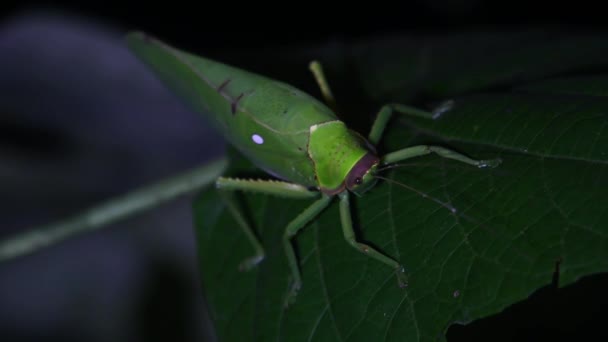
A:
<point x="267" y="120"/>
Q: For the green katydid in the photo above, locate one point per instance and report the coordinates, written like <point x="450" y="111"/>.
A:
<point x="290" y="135"/>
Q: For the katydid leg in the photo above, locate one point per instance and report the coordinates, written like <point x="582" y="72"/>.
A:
<point x="278" y="188"/>
<point x="386" y="113"/>
<point x="238" y="216"/>
<point x="114" y="210"/>
<point x="421" y="150"/>
<point x="292" y="229"/>
<point x="317" y="71"/>
<point x="268" y="187"/>
<point x="349" y="235"/>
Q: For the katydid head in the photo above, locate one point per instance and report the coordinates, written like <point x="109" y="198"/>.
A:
<point x="361" y="177"/>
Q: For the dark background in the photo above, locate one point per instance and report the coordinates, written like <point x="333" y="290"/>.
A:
<point x="81" y="121"/>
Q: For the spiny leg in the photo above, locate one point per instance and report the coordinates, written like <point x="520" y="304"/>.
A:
<point x="420" y="150"/>
<point x="349" y="235"/>
<point x="292" y="229"/>
<point x="269" y="187"/>
<point x="317" y="71"/>
<point x="113" y="210"/>
<point x="283" y="189"/>
<point x="386" y="112"/>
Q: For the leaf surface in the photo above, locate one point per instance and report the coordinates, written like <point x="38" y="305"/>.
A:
<point x="473" y="241"/>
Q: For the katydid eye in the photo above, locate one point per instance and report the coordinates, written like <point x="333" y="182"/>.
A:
<point x="360" y="169"/>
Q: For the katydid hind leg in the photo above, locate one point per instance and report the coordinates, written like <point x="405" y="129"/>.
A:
<point x="277" y="188"/>
<point x="317" y="71"/>
<point x="292" y="229"/>
<point x="349" y="235"/>
<point x="267" y="187"/>
<point x="239" y="217"/>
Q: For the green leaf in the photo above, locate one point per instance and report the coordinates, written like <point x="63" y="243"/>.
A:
<point x="512" y="225"/>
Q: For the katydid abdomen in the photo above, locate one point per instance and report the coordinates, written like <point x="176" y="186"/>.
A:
<point x="270" y="122"/>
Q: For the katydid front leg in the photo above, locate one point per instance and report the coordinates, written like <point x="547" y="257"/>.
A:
<point x="414" y="151"/>
<point x="384" y="115"/>
<point x="386" y="112"/>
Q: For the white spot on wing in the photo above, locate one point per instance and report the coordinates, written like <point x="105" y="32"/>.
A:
<point x="313" y="128"/>
<point x="257" y="139"/>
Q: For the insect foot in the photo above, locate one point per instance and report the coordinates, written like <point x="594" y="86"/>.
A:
<point x="294" y="288"/>
<point x="250" y="263"/>
<point x="491" y="163"/>
<point x="401" y="277"/>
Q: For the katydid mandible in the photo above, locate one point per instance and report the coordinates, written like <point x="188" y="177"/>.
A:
<point x="290" y="135"/>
